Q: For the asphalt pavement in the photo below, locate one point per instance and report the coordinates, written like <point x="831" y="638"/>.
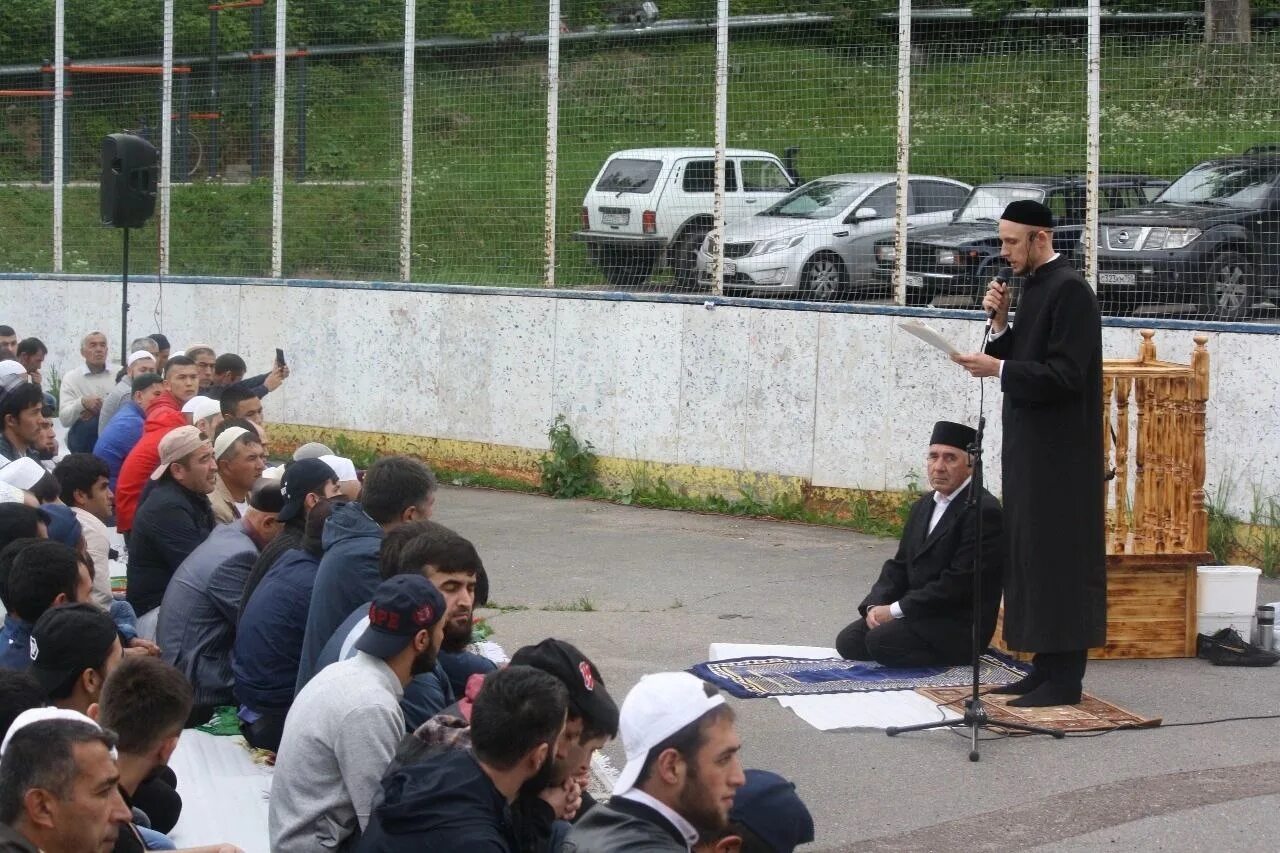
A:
<point x="644" y="590"/>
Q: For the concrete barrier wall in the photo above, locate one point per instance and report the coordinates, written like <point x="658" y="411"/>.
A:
<point x="834" y="396"/>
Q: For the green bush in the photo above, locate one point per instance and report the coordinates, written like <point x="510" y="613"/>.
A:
<point x="568" y="469"/>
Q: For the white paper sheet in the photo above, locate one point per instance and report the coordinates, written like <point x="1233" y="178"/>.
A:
<point x="834" y="711"/>
<point x="225" y="795"/>
<point x="929" y="335"/>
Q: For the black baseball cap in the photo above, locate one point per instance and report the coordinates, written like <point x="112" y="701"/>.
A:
<point x="402" y="606"/>
<point x="300" y="479"/>
<point x="265" y="496"/>
<point x="68" y="639"/>
<point x="588" y="697"/>
<point x="769" y="806"/>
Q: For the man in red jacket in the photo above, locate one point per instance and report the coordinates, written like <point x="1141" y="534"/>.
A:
<point x="181" y="382"/>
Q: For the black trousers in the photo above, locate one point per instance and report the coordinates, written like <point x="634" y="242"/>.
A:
<point x="907" y="643"/>
<point x="265" y="732"/>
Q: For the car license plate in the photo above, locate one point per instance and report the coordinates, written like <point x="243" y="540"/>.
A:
<point x="615" y="218"/>
<point x="1117" y="278"/>
<point x="915" y="280"/>
<point x="730" y="268"/>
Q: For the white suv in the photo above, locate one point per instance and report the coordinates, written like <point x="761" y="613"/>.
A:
<point x="651" y="203"/>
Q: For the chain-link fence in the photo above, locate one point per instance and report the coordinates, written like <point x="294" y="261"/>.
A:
<point x="750" y="147"/>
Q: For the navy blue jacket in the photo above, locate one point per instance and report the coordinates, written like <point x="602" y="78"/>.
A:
<point x="346" y="578"/>
<point x="118" y="437"/>
<point x="170" y="524"/>
<point x="269" y="639"/>
<point x="444" y="803"/>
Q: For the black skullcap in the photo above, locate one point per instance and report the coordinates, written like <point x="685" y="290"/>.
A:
<point x="1025" y="211"/>
<point x="265" y="496"/>
<point x="953" y="434"/>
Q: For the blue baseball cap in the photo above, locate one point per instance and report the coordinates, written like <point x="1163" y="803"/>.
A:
<point x="769" y="806"/>
<point x="63" y="525"/>
<point x="402" y="606"/>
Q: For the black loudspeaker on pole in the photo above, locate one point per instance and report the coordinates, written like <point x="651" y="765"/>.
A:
<point x="127" y="199"/>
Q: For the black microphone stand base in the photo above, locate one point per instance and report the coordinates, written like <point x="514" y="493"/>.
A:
<point x="975" y="717"/>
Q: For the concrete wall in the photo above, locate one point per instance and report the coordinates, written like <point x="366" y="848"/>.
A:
<point x="835" y="396"/>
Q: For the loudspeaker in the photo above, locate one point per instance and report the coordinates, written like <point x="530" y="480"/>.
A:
<point x="127" y="190"/>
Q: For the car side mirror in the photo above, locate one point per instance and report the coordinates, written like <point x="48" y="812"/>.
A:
<point x="862" y="214"/>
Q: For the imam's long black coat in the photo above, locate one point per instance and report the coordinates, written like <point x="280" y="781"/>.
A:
<point x="1055" y="586"/>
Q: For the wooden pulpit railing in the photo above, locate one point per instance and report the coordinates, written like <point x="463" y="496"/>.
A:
<point x="1153" y="434"/>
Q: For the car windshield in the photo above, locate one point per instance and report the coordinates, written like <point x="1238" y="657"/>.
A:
<point x="1226" y="184"/>
<point x="629" y="176"/>
<point x="817" y="200"/>
<point x="985" y="204"/>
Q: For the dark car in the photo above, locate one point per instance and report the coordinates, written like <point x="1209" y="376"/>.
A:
<point x="958" y="258"/>
<point x="1212" y="238"/>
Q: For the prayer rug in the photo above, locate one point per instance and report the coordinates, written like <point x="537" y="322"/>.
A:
<point x="759" y="677"/>
<point x="1091" y="715"/>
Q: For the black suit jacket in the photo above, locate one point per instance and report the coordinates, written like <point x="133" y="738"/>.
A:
<point x="931" y="576"/>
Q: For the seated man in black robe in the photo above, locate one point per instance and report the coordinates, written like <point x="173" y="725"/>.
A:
<point x="920" y="611"/>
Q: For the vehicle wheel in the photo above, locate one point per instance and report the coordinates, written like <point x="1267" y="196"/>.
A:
<point x="1232" y="286"/>
<point x="627" y="267"/>
<point x="824" y="277"/>
<point x="684" y="255"/>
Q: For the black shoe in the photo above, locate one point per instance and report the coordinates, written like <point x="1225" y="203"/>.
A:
<point x="1022" y="686"/>
<point x="1228" y="648"/>
<point x="1048" y="694"/>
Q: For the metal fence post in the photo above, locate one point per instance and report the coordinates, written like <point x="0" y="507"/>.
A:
<point x="215" y="106"/>
<point x="721" y="135"/>
<point x="277" y="147"/>
<point x="1092" y="158"/>
<point x="406" y="141"/>
<point x="300" y="167"/>
<point x="59" y="143"/>
<point x="553" y="133"/>
<point x="904" y="153"/>
<point x="166" y="135"/>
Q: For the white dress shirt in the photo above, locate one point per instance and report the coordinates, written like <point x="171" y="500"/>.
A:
<point x="940" y="504"/>
<point x="686" y="829"/>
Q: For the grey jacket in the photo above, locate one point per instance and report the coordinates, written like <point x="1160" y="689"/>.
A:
<point x="197" y="625"/>
<point x="624" y="825"/>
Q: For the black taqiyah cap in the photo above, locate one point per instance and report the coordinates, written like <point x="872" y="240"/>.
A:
<point x="1027" y="211"/>
<point x="953" y="434"/>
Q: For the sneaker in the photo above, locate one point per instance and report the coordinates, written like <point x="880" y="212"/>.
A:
<point x="1228" y="648"/>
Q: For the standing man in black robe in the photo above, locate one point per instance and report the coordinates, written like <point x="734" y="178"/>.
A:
<point x="1050" y="368"/>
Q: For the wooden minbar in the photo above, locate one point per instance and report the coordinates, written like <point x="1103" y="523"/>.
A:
<point x="1157" y="525"/>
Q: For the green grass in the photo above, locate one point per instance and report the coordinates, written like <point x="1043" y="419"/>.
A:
<point x="980" y="110"/>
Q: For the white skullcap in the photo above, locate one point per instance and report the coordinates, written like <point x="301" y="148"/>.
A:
<point x="138" y="356"/>
<point x="9" y="367"/>
<point x="201" y="407"/>
<point x="274" y="473"/>
<point x="343" y="467"/>
<point x="311" y="450"/>
<point x="39" y="715"/>
<point x="226" y="438"/>
<point x="22" y="473"/>
<point x="11" y="494"/>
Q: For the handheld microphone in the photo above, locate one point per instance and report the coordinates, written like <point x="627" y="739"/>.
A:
<point x="1003" y="277"/>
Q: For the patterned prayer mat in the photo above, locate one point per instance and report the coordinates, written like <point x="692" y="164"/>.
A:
<point x="758" y="677"/>
<point x="1091" y="715"/>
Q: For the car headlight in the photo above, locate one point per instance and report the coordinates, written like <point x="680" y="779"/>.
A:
<point x="948" y="257"/>
<point x="1169" y="238"/>
<point x="777" y="244"/>
<point x="886" y="253"/>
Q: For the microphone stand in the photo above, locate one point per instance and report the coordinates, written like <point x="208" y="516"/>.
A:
<point x="975" y="713"/>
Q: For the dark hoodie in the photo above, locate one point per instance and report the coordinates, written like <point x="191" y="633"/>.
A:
<point x="346" y="578"/>
<point x="445" y="803"/>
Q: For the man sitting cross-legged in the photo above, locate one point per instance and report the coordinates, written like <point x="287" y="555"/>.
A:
<point x="461" y="799"/>
<point x="345" y="725"/>
<point x="920" y="611"/>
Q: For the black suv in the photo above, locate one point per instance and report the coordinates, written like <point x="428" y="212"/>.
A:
<point x="959" y="257"/>
<point x="1212" y="238"/>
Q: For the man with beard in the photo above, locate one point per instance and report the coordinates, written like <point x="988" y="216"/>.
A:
<point x="451" y="563"/>
<point x="345" y="725"/>
<point x="543" y="807"/>
<point x="1049" y="364"/>
<point x="681" y="774"/>
<point x="461" y="799"/>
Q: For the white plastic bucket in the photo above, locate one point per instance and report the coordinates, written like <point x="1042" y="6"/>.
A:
<point x="1212" y="623"/>
<point x="1226" y="589"/>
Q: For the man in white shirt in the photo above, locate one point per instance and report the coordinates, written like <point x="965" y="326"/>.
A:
<point x="83" y="480"/>
<point x="920" y="611"/>
<point x="83" y="392"/>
